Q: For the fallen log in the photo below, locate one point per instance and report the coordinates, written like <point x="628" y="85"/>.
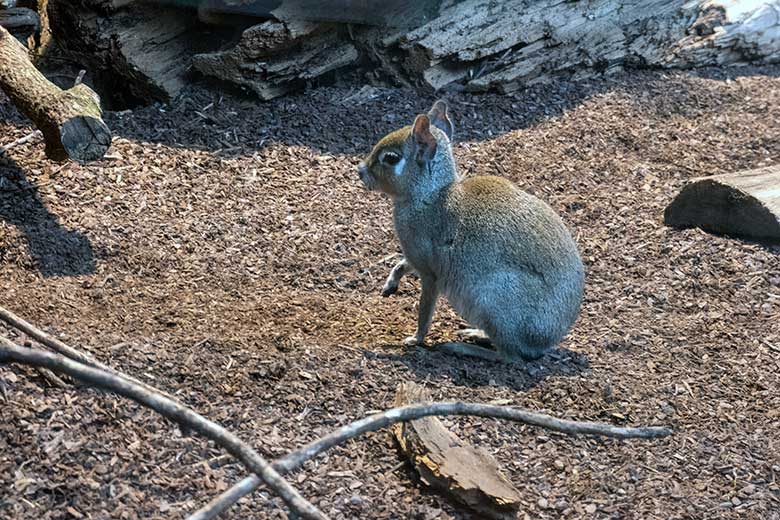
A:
<point x="476" y="45"/>
<point x="275" y="57"/>
<point x="446" y="463"/>
<point x="480" y="45"/>
<point x="727" y="33"/>
<point x="139" y="52"/>
<point x="473" y="45"/>
<point x="744" y="204"/>
<point x="70" y="120"/>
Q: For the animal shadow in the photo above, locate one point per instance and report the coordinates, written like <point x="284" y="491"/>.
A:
<point x="55" y="250"/>
<point x="471" y="372"/>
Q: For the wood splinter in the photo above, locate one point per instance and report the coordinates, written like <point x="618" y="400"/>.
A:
<point x="469" y="475"/>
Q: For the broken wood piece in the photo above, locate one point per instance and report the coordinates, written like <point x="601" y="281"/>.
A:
<point x="295" y="459"/>
<point x="446" y="463"/>
<point x="744" y="204"/>
<point x="274" y="58"/>
<point x="70" y="120"/>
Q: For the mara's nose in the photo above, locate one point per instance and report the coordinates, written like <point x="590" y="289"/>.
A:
<point x="362" y="169"/>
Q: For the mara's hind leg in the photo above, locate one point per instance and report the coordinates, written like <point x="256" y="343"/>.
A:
<point x="401" y="269"/>
<point x="477" y="336"/>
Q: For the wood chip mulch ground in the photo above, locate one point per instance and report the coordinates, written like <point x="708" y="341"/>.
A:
<point x="226" y="252"/>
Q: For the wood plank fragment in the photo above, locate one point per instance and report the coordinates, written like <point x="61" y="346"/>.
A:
<point x="744" y="204"/>
<point x="450" y="465"/>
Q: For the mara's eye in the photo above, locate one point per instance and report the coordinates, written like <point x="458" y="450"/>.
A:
<point x="391" y="158"/>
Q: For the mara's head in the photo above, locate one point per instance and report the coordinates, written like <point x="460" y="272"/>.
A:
<point x="403" y="158"/>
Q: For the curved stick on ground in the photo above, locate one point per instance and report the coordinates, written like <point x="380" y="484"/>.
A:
<point x="253" y="461"/>
<point x="295" y="460"/>
<point x="45" y="339"/>
<point x="69" y="352"/>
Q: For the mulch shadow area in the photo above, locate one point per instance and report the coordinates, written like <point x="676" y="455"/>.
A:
<point x="226" y="252"/>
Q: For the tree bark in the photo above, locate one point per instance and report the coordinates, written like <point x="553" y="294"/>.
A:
<point x="744" y="204"/>
<point x="70" y="120"/>
<point x="480" y="45"/>
<point x="473" y="45"/>
<point x="274" y="57"/>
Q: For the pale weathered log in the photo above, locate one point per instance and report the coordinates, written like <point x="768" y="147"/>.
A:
<point x="446" y="463"/>
<point x="139" y="51"/>
<point x="70" y="120"/>
<point x="744" y="204"/>
<point x="276" y="57"/>
<point x="730" y="33"/>
<point x="480" y="45"/>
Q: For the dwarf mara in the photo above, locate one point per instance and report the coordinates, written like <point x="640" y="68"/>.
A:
<point x="503" y="258"/>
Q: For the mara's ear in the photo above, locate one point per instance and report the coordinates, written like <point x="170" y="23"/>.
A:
<point x="423" y="139"/>
<point x="440" y="119"/>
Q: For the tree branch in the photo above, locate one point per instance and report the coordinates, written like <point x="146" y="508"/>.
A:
<point x="253" y="461"/>
<point x="76" y="355"/>
<point x="83" y="368"/>
<point x="295" y="460"/>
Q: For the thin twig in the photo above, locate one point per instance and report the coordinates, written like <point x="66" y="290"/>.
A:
<point x="51" y="377"/>
<point x="20" y="141"/>
<point x="771" y="346"/>
<point x="253" y="461"/>
<point x="295" y="460"/>
<point x="58" y="346"/>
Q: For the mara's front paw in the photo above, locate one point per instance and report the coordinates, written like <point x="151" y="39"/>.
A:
<point x="389" y="288"/>
<point x="413" y="341"/>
